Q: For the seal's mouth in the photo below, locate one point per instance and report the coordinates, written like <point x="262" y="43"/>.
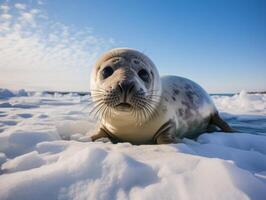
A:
<point x="123" y="106"/>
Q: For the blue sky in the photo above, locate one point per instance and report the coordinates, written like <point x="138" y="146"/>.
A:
<point x="219" y="44"/>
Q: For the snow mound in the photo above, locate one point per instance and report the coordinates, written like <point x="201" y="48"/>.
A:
<point x="2" y="158"/>
<point x="22" y="93"/>
<point x="242" y="103"/>
<point x="24" y="162"/>
<point x="5" y="94"/>
<point x="17" y="142"/>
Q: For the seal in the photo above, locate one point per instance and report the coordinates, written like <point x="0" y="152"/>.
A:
<point x="133" y="104"/>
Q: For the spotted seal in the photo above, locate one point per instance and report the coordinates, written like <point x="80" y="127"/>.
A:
<point x="133" y="104"/>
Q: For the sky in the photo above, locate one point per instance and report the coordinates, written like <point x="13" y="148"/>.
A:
<point x="52" y="44"/>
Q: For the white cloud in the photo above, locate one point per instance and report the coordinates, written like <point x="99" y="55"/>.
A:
<point x="40" y="2"/>
<point x="20" y="6"/>
<point x="35" y="11"/>
<point x="6" y="16"/>
<point x="4" y="8"/>
<point x="27" y="17"/>
<point x="38" y="53"/>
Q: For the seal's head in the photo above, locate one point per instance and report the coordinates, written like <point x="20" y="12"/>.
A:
<point x="125" y="81"/>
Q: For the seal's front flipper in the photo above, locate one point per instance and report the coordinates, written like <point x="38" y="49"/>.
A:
<point x="218" y="121"/>
<point x="166" y="134"/>
<point x="99" y="135"/>
<point x="103" y="140"/>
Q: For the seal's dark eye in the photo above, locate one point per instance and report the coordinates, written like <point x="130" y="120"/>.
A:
<point x="107" y="71"/>
<point x="143" y="74"/>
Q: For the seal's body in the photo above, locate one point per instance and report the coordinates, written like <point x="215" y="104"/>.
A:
<point x="135" y="105"/>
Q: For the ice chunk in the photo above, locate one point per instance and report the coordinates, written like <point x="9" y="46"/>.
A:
<point x="6" y="94"/>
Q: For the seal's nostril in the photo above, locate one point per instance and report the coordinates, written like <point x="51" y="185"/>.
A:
<point x="120" y="88"/>
<point x="126" y="87"/>
<point x="131" y="87"/>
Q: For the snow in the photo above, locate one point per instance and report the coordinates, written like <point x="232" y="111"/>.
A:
<point x="46" y="154"/>
<point x="23" y="162"/>
<point x="242" y="103"/>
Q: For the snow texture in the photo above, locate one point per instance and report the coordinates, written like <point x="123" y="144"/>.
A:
<point x="46" y="154"/>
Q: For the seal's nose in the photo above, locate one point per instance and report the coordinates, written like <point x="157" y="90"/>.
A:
<point x="126" y="87"/>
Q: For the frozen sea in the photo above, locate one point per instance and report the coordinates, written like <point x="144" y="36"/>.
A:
<point x="45" y="154"/>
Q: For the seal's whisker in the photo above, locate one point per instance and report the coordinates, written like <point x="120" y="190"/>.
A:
<point x="151" y="100"/>
<point x="103" y="111"/>
<point x="153" y="97"/>
<point x="89" y="104"/>
<point x="106" y="112"/>
<point x="94" y="102"/>
<point x="97" y="94"/>
<point x="96" y="107"/>
<point x="109" y="112"/>
<point x="149" y="109"/>
<point x="98" y="90"/>
<point x="154" y="112"/>
<point x="98" y="112"/>
<point x="152" y="91"/>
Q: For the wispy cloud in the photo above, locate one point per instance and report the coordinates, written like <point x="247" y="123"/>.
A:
<point x="37" y="52"/>
<point x="6" y="16"/>
<point x="4" y="8"/>
<point x="20" y="6"/>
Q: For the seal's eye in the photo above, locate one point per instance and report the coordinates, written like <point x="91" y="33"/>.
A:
<point x="143" y="74"/>
<point x="107" y="71"/>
